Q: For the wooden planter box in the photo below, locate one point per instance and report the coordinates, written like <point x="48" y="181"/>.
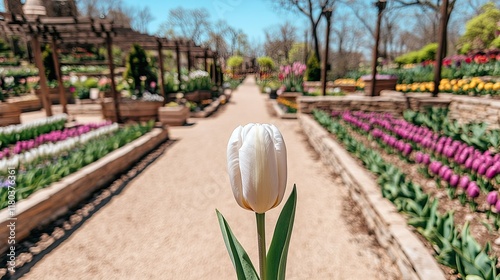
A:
<point x="198" y="95"/>
<point x="9" y="114"/>
<point x="54" y="96"/>
<point x="389" y="84"/>
<point x="131" y="110"/>
<point x="174" y="116"/>
<point x="291" y="96"/>
<point x="26" y="104"/>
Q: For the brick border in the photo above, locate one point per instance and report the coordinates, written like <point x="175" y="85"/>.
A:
<point x="403" y="246"/>
<point x="51" y="202"/>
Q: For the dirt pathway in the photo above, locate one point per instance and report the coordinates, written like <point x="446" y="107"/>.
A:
<point x="163" y="225"/>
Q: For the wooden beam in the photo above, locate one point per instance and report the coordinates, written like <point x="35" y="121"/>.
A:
<point x="37" y="51"/>
<point x="57" y="66"/>
<point x="161" y="81"/>
<point x="205" y="60"/>
<point x="178" y="60"/>
<point x="189" y="59"/>
<point x="116" y="98"/>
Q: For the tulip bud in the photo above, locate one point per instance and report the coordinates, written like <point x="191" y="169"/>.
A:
<point x="447" y="175"/>
<point x="482" y="169"/>
<point x="257" y="166"/>
<point x="426" y="159"/>
<point x="492" y="198"/>
<point x="418" y="157"/>
<point x="464" y="182"/>
<point x="491" y="172"/>
<point x="473" y="190"/>
<point x="454" y="180"/>
<point x="497" y="206"/>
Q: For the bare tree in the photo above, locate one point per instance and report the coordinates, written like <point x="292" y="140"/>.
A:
<point x="141" y="19"/>
<point x="313" y="10"/>
<point x="189" y="24"/>
<point x="279" y="41"/>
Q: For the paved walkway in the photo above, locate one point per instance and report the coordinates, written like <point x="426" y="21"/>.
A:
<point x="163" y="225"/>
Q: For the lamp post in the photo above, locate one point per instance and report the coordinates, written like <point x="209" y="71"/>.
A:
<point x="380" y="4"/>
<point x="327" y="12"/>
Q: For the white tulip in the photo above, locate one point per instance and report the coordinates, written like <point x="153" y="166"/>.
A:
<point x="257" y="166"/>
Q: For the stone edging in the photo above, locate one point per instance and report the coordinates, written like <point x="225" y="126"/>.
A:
<point x="403" y="246"/>
<point x="280" y="113"/>
<point x="47" y="204"/>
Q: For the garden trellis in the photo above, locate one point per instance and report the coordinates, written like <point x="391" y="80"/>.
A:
<point x="58" y="31"/>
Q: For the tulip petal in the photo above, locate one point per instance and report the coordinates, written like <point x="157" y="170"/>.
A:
<point x="233" y="165"/>
<point x="258" y="169"/>
<point x="281" y="161"/>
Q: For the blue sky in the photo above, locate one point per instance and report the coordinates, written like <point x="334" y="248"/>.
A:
<point x="253" y="17"/>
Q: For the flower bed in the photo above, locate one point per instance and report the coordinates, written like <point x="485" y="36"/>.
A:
<point x="40" y="166"/>
<point x="470" y="86"/>
<point x="51" y="202"/>
<point x="437" y="209"/>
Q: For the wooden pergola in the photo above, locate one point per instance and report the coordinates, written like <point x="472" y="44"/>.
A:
<point x="85" y="30"/>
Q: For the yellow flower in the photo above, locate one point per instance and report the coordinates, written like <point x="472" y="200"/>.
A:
<point x="488" y="86"/>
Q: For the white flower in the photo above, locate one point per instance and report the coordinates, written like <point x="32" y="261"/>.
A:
<point x="257" y="166"/>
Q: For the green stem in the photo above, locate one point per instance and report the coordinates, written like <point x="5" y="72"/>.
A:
<point x="261" y="232"/>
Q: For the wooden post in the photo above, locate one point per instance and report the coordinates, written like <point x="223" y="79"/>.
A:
<point x="189" y="59"/>
<point x="37" y="52"/>
<point x="178" y="58"/>
<point x="57" y="66"/>
<point x="441" y="47"/>
<point x="116" y="98"/>
<point x="214" y="70"/>
<point x="324" y="70"/>
<point x="161" y="81"/>
<point x="205" y="60"/>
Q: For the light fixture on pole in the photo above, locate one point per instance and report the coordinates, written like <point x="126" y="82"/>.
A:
<point x="380" y="4"/>
<point x="327" y="12"/>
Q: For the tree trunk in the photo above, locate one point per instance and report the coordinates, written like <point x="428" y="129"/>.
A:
<point x="315" y="40"/>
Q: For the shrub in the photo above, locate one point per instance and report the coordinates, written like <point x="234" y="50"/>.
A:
<point x="313" y="72"/>
<point x="48" y="63"/>
<point x="138" y="66"/>
<point x="265" y="63"/>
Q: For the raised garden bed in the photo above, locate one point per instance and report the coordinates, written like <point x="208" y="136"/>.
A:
<point x="411" y="256"/>
<point x="9" y="114"/>
<point x="131" y="110"/>
<point x="55" y="96"/>
<point x="210" y="109"/>
<point x="174" y="116"/>
<point x="26" y="103"/>
<point x="48" y="203"/>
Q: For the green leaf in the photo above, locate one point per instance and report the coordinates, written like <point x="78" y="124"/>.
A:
<point x="278" y="251"/>
<point x="241" y="261"/>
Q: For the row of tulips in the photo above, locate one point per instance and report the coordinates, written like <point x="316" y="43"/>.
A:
<point x="36" y="176"/>
<point x="454" y="176"/>
<point x="457" y="250"/>
<point x="474" y="134"/>
<point x="472" y="86"/>
<point x="53" y="136"/>
<point x="457" y="154"/>
<point x="52" y="149"/>
<point x="13" y="133"/>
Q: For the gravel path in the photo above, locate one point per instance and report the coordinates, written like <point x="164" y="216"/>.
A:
<point x="163" y="225"/>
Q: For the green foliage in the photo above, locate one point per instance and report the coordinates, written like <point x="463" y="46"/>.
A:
<point x="495" y="43"/>
<point x="4" y="47"/>
<point x="266" y="63"/>
<point x="235" y="61"/>
<point x="48" y="63"/>
<point x="296" y="53"/>
<point x="313" y="71"/>
<point x="138" y="66"/>
<point x="91" y="82"/>
<point x="428" y="52"/>
<point x="481" y="30"/>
